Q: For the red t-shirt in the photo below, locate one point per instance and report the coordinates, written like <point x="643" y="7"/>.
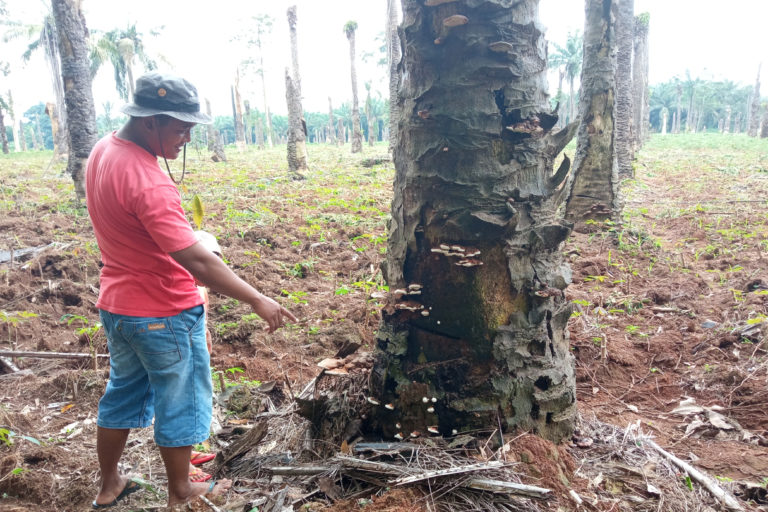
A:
<point x="137" y="216"/>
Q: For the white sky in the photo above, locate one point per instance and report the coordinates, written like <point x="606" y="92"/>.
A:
<point x="711" y="39"/>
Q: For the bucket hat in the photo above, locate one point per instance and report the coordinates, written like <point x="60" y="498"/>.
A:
<point x="162" y="93"/>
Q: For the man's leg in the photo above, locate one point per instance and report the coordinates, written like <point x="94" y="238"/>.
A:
<point x="180" y="489"/>
<point x="110" y="443"/>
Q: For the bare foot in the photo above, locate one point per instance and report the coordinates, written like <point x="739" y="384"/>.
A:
<point x="114" y="490"/>
<point x="212" y="488"/>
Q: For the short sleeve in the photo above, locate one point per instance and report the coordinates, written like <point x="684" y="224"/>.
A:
<point x="159" y="209"/>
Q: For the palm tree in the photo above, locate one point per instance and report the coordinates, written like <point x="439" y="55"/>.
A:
<point x="569" y="58"/>
<point x="297" y="134"/>
<point x="625" y="18"/>
<point x="77" y="79"/>
<point x="476" y="318"/>
<point x="45" y="36"/>
<point x="595" y="181"/>
<point x="640" y="80"/>
<point x="119" y="47"/>
<point x="393" y="57"/>
<point x="357" y="136"/>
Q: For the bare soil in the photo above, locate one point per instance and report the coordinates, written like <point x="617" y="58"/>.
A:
<point x="671" y="305"/>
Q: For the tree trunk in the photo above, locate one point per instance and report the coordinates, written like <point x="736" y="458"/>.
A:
<point x="210" y="130"/>
<point x="640" y="81"/>
<point x="331" y="123"/>
<point x="393" y="56"/>
<point x="14" y="129"/>
<point x="737" y="124"/>
<point x="75" y="72"/>
<point x="3" y="135"/>
<point x="52" y="41"/>
<point x="625" y="22"/>
<point x="474" y="239"/>
<point x="50" y="111"/>
<point x="296" y="136"/>
<point x="259" y="134"/>
<point x="595" y="182"/>
<point x="664" y="120"/>
<point x="676" y="122"/>
<point x="342" y="137"/>
<point x="764" y="125"/>
<point x="239" y="129"/>
<point x="369" y="118"/>
<point x="357" y="136"/>
<point x="22" y="141"/>
<point x="727" y="122"/>
<point x="754" y="107"/>
<point x="300" y="138"/>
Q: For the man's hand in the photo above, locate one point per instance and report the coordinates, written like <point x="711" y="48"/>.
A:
<point x="272" y="313"/>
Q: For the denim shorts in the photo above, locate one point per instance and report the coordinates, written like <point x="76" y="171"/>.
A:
<point x="159" y="367"/>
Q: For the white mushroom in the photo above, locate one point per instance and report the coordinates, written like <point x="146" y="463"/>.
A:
<point x="372" y="400"/>
<point x="433" y="429"/>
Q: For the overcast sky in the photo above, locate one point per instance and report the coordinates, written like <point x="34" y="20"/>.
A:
<point x="710" y="38"/>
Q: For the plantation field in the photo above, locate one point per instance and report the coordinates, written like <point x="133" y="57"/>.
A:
<point x="670" y="305"/>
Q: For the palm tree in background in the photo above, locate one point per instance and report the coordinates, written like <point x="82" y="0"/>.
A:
<point x="357" y="136"/>
<point x="568" y="58"/>
<point x="120" y="47"/>
<point x="45" y="37"/>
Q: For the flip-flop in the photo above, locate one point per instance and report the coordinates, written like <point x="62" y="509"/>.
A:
<point x="198" y="475"/>
<point x="198" y="458"/>
<point x="130" y="487"/>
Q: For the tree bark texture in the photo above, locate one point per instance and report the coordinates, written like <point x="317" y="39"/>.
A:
<point x="75" y="72"/>
<point x="475" y="323"/>
<point x="357" y="136"/>
<point x="292" y="20"/>
<point x="394" y="53"/>
<point x="625" y="22"/>
<point x="640" y="81"/>
<point x="754" y="108"/>
<point x="297" y="160"/>
<point x="595" y="183"/>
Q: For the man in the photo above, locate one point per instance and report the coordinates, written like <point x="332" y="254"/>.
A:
<point x="149" y="304"/>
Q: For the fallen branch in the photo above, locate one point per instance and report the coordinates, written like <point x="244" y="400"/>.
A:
<point x="702" y="478"/>
<point x="48" y="355"/>
<point x="8" y="364"/>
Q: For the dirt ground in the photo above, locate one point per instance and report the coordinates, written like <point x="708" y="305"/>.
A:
<point x="671" y="307"/>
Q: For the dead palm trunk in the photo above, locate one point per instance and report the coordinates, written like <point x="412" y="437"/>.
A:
<point x="22" y="140"/>
<point x="357" y="136"/>
<point x="393" y="57"/>
<point x="50" y="40"/>
<point x="625" y="20"/>
<point x="475" y="324"/>
<point x="3" y="135"/>
<point x="239" y="128"/>
<point x="14" y="126"/>
<point x="331" y="123"/>
<point x="640" y="81"/>
<point x="81" y="114"/>
<point x="754" y="107"/>
<point x="594" y="192"/>
<point x="297" y="130"/>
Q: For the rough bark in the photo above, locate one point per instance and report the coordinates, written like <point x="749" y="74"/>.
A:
<point x="296" y="124"/>
<point x="640" y="81"/>
<point x="75" y="72"/>
<point x="625" y="21"/>
<point x="475" y="226"/>
<point x="331" y="123"/>
<point x="754" y="107"/>
<point x="594" y="192"/>
<point x="297" y="160"/>
<point x="357" y="136"/>
<point x="394" y="53"/>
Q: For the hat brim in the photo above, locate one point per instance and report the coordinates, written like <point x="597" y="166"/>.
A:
<point x="188" y="117"/>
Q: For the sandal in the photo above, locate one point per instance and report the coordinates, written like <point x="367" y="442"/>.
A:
<point x="197" y="458"/>
<point x="198" y="475"/>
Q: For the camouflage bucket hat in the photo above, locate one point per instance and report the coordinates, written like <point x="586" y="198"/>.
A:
<point x="162" y="93"/>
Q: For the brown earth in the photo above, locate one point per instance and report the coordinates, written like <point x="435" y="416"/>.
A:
<point x="670" y="304"/>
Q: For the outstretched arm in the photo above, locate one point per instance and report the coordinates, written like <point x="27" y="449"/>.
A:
<point x="213" y="273"/>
